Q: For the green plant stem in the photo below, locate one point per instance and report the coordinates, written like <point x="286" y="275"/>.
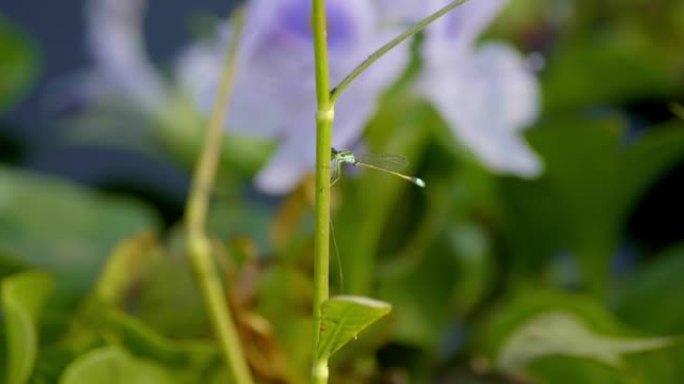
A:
<point x="324" y="120"/>
<point x="325" y="115"/>
<point x="199" y="245"/>
<point x="419" y="26"/>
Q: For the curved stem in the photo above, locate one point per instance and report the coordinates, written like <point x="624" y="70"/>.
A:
<point x="419" y="26"/>
<point x="199" y="245"/>
<point x="324" y="119"/>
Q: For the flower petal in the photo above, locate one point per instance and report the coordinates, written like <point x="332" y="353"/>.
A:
<point x="293" y="160"/>
<point x="455" y="33"/>
<point x="274" y="95"/>
<point x="115" y="41"/>
<point x="488" y="99"/>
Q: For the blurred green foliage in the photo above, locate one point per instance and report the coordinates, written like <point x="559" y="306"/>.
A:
<point x="19" y="63"/>
<point x="491" y="278"/>
<point x="23" y="296"/>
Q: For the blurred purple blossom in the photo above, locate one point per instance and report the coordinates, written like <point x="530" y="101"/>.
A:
<point x="404" y="12"/>
<point x="484" y="92"/>
<point x="115" y="41"/>
<point x="488" y="100"/>
<point x="275" y="95"/>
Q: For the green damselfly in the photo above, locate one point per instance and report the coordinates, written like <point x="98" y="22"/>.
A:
<point x="385" y="163"/>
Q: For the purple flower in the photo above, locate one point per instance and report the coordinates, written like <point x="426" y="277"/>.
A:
<point x="274" y="93"/>
<point x="404" y="11"/>
<point x="488" y="99"/>
<point x="486" y="93"/>
<point x="121" y="65"/>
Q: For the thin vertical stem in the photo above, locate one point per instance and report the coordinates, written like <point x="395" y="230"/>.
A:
<point x="199" y="245"/>
<point x="324" y="120"/>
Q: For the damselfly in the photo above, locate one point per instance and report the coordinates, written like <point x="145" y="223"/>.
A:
<point x="385" y="163"/>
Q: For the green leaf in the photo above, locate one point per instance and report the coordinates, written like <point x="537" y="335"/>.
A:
<point x="141" y="274"/>
<point x="591" y="182"/>
<point x="112" y="365"/>
<point x="285" y="294"/>
<point x="423" y="297"/>
<point x="651" y="300"/>
<point x="562" y="333"/>
<point x="142" y="340"/>
<point x="524" y="304"/>
<point x="53" y="225"/>
<point x="343" y="318"/>
<point x="23" y="296"/>
<point x="580" y="329"/>
<point x="643" y="162"/>
<point x="572" y="207"/>
<point x="18" y="63"/>
<point x="591" y="72"/>
<point x="131" y="260"/>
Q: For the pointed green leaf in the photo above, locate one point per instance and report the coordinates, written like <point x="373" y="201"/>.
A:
<point x="562" y="333"/>
<point x="112" y="365"/>
<point x="23" y="296"/>
<point x="343" y="318"/>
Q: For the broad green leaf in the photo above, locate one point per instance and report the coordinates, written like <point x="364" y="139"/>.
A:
<point x="343" y="317"/>
<point x="18" y="63"/>
<point x="136" y="268"/>
<point x="651" y="299"/>
<point x="584" y="321"/>
<point x="647" y="159"/>
<point x="161" y="293"/>
<point x="590" y="184"/>
<point x="131" y="260"/>
<point x="507" y="315"/>
<point x="143" y="340"/>
<point x="423" y="297"/>
<point x="23" y="296"/>
<point x="560" y="369"/>
<point x="142" y="274"/>
<point x="572" y="206"/>
<point x="562" y="333"/>
<point x="601" y="72"/>
<point x="100" y="323"/>
<point x="54" y="225"/>
<point x="112" y="365"/>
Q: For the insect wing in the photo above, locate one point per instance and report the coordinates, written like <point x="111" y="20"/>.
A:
<point x="389" y="162"/>
<point x="335" y="171"/>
